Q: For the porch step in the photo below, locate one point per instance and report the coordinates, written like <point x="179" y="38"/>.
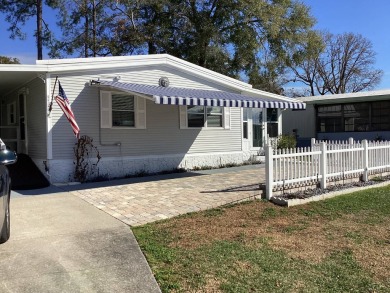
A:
<point x="26" y="175"/>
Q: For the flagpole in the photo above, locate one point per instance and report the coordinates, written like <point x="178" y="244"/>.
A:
<point x="52" y="96"/>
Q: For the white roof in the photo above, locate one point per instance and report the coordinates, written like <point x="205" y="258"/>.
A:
<point x="13" y="75"/>
<point x="348" y="97"/>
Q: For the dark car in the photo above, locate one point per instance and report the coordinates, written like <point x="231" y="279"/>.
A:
<point x="6" y="157"/>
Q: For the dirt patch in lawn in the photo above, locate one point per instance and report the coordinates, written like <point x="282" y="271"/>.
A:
<point x="311" y="238"/>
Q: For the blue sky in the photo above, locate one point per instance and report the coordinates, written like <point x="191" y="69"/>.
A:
<point x="368" y="18"/>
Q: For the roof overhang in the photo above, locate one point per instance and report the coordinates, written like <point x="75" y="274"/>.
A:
<point x="379" y="95"/>
<point x="16" y="75"/>
<point x="195" y="97"/>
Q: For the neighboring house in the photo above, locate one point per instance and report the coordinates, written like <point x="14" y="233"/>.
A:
<point x="145" y="114"/>
<point x="363" y="115"/>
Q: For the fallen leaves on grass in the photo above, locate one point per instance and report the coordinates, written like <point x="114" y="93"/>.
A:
<point x="311" y="238"/>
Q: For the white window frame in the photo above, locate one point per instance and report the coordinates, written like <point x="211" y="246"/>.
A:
<point x="106" y="111"/>
<point x="184" y="119"/>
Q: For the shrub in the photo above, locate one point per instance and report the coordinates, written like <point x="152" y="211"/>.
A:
<point x="286" y="141"/>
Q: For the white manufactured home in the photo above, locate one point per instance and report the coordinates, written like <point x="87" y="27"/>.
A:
<point x="144" y="113"/>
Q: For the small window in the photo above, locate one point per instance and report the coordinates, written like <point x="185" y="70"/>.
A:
<point x="195" y="115"/>
<point x="123" y="110"/>
<point x="214" y="116"/>
<point x="200" y="116"/>
<point x="272" y="122"/>
<point x="245" y="123"/>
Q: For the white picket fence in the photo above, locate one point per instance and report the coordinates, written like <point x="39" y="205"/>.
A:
<point x="323" y="163"/>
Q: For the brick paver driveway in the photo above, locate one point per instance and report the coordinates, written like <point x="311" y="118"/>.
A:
<point x="138" y="201"/>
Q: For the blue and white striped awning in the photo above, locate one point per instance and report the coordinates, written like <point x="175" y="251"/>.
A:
<point x="195" y="97"/>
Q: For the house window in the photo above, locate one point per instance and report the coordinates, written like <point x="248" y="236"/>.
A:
<point x="195" y="115"/>
<point x="272" y="122"/>
<point x="329" y="118"/>
<point x="11" y="113"/>
<point x="245" y="123"/>
<point x="257" y="127"/>
<point x="123" y="113"/>
<point x="120" y="110"/>
<point x="200" y="116"/>
<point x="380" y="116"/>
<point x="356" y="117"/>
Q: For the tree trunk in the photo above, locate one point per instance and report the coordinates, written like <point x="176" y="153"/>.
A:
<point x="94" y="28"/>
<point x="39" y="29"/>
<point x="86" y="27"/>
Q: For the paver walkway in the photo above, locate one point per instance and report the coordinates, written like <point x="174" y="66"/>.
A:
<point x="142" y="200"/>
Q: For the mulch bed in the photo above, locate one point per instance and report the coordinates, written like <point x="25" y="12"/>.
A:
<point x="310" y="192"/>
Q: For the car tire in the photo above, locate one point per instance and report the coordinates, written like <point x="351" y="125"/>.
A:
<point x="6" y="230"/>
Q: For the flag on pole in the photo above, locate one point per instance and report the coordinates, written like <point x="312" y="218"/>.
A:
<point x="64" y="104"/>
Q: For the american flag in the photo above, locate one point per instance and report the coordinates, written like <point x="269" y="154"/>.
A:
<point x="64" y="104"/>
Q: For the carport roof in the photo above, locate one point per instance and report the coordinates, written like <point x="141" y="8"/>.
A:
<point x="12" y="76"/>
<point x="196" y="97"/>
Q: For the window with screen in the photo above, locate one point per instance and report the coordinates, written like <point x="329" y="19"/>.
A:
<point x="329" y="118"/>
<point x="200" y="116"/>
<point x="123" y="110"/>
<point x="380" y="115"/>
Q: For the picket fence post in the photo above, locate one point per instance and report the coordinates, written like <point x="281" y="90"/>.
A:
<point x="269" y="171"/>
<point x="365" y="160"/>
<point x="323" y="164"/>
<point x="312" y="142"/>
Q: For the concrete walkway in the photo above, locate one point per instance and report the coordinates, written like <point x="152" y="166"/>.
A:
<point x="137" y="201"/>
<point x="60" y="243"/>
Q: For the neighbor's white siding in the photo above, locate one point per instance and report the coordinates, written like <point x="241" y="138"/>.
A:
<point x="162" y="135"/>
<point x="303" y="121"/>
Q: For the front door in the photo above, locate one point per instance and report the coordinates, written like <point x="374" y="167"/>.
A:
<point x="253" y="129"/>
<point x="260" y="127"/>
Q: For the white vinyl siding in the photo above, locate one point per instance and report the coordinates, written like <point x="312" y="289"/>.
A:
<point x="127" y="111"/>
<point x="303" y="121"/>
<point x="163" y="135"/>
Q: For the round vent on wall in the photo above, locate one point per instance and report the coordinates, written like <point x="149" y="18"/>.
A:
<point x="163" y="81"/>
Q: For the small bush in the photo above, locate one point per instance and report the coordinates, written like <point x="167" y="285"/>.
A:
<point x="286" y="141"/>
<point x="87" y="157"/>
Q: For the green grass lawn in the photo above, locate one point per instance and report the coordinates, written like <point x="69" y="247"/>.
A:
<point x="338" y="245"/>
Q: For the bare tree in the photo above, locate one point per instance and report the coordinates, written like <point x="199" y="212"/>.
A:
<point x="305" y="66"/>
<point x="345" y="65"/>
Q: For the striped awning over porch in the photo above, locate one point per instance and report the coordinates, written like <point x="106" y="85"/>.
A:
<point x="196" y="97"/>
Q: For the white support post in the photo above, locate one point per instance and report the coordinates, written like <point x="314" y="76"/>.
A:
<point x="269" y="171"/>
<point x="323" y="166"/>
<point x="365" y="160"/>
<point x="49" y="126"/>
<point x="313" y="141"/>
<point x="350" y="140"/>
